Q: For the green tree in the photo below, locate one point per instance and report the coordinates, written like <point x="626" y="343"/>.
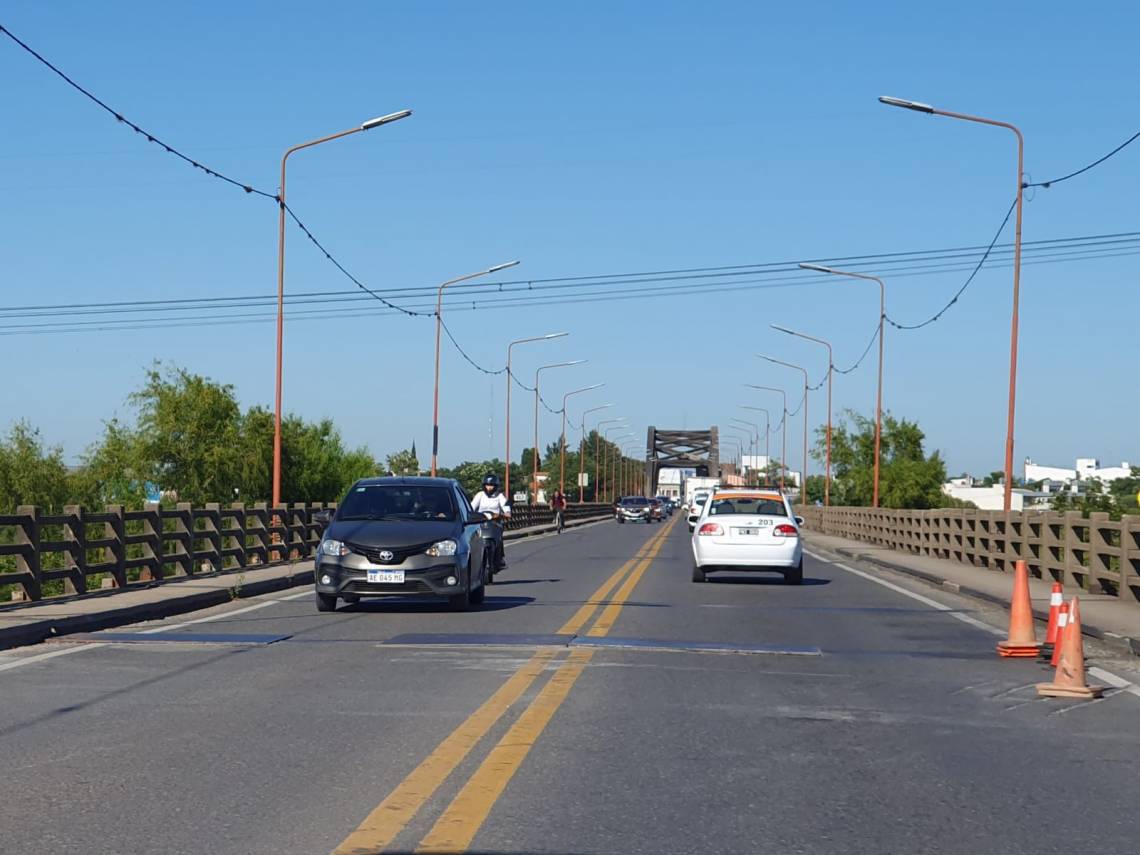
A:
<point x="403" y="462"/>
<point x="909" y="478"/>
<point x="190" y="434"/>
<point x="113" y="470"/>
<point x="30" y="473"/>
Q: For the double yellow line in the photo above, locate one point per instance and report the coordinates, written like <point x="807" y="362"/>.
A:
<point x="456" y="828"/>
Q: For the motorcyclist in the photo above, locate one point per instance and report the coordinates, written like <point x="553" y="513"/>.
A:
<point x="491" y="503"/>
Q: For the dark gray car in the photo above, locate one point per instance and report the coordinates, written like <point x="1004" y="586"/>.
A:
<point x="403" y="537"/>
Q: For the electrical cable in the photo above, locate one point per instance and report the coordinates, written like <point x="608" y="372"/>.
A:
<point x="119" y="117"/>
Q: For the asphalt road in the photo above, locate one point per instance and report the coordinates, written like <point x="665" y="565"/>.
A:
<point x="852" y="719"/>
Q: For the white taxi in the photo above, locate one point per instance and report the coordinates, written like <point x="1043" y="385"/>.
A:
<point x="748" y="529"/>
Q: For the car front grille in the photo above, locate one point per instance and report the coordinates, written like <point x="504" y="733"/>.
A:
<point x="411" y="586"/>
<point x="399" y="554"/>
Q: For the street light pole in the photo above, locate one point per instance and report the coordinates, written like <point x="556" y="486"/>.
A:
<point x="611" y="465"/>
<point x="767" y="430"/>
<point x="438" y="329"/>
<point x="510" y="382"/>
<point x="599" y="435"/>
<point x="803" y="476"/>
<point x="282" y="207"/>
<point x="830" y="374"/>
<point x="783" y="428"/>
<point x="879" y="394"/>
<point x="582" y="451"/>
<point x="1013" y="327"/>
<point x="754" y="433"/>
<point x="562" y="450"/>
<point x="537" y="372"/>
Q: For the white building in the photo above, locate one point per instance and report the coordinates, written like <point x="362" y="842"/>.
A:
<point x="669" y="481"/>
<point x="988" y="498"/>
<point x="1086" y="469"/>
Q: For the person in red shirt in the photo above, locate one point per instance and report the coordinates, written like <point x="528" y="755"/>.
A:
<point x="558" y="503"/>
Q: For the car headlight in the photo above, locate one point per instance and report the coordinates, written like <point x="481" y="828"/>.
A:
<point x="332" y="547"/>
<point x="442" y="548"/>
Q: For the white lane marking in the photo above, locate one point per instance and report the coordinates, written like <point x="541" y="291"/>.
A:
<point x="934" y="604"/>
<point x="1113" y="680"/>
<point x="80" y="648"/>
<point x="40" y="657"/>
<point x="169" y="626"/>
<point x="1099" y="673"/>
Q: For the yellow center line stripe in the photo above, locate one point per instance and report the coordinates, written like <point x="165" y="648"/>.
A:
<point x="456" y="828"/>
<point x="393" y="814"/>
<point x="609" y="615"/>
<point x="583" y="615"/>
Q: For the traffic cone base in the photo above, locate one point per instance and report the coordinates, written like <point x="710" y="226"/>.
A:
<point x="1018" y="651"/>
<point x="1053" y="690"/>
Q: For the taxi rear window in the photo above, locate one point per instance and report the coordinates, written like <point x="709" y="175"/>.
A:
<point x="767" y="506"/>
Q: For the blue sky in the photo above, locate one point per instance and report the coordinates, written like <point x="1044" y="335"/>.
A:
<point x="585" y="139"/>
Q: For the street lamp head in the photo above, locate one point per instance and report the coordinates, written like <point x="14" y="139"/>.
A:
<point x="383" y="120"/>
<point x="779" y="328"/>
<point x="818" y="268"/>
<point x="554" y="335"/>
<point x="499" y="267"/>
<point x="917" y="106"/>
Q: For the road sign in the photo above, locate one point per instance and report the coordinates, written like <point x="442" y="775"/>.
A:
<point x="583" y="479"/>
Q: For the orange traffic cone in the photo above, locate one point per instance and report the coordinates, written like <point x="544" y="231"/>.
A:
<point x="1056" y="599"/>
<point x="1062" y="622"/>
<point x="1022" y="641"/>
<point x="1069" y="678"/>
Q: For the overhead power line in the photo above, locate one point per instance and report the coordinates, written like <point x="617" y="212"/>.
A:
<point x="1086" y="168"/>
<point x="965" y="285"/>
<point x="119" y="117"/>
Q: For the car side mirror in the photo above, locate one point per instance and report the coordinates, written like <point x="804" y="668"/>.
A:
<point x="476" y="519"/>
<point x="323" y="517"/>
<point x="799" y="520"/>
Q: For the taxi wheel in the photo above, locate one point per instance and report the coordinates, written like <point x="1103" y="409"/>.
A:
<point x="699" y="574"/>
<point x="795" y="576"/>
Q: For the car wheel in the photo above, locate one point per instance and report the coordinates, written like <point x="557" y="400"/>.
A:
<point x="699" y="574"/>
<point x="351" y="599"/>
<point x="326" y="602"/>
<point x="460" y="602"/>
<point x="796" y="575"/>
<point x="480" y="593"/>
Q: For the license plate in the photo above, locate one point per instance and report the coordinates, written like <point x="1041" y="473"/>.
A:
<point x="746" y="531"/>
<point x="390" y="577"/>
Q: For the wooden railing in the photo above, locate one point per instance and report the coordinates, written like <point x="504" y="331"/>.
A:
<point x="80" y="550"/>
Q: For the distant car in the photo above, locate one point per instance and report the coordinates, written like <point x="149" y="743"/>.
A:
<point x="634" y="509"/>
<point x="667" y="505"/>
<point x="656" y="510"/>
<point x="749" y="530"/>
<point x="694" y="510"/>
<point x="405" y="537"/>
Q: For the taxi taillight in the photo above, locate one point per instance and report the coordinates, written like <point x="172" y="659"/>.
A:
<point x="785" y="530"/>
<point x="710" y="528"/>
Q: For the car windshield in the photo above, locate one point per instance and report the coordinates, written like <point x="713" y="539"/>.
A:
<point x="398" y="501"/>
<point x="751" y="505"/>
<point x="635" y="501"/>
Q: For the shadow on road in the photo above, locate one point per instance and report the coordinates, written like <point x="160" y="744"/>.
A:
<point x="385" y="606"/>
<point x="759" y="580"/>
<point x="499" y="584"/>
